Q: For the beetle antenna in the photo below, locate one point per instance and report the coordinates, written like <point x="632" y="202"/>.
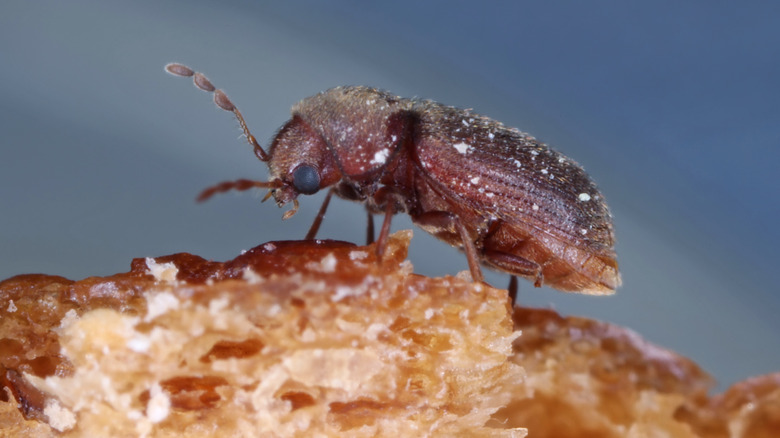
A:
<point x="222" y="101"/>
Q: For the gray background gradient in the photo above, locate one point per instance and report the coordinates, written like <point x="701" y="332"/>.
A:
<point x="672" y="107"/>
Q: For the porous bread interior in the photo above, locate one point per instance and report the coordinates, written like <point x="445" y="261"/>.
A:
<point x="394" y="354"/>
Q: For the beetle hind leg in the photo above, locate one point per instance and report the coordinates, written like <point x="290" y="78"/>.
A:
<point x="512" y="290"/>
<point x="515" y="265"/>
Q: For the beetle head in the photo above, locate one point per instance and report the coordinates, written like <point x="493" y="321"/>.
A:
<point x="301" y="161"/>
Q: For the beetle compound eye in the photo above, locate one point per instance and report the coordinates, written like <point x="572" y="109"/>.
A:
<point x="306" y="179"/>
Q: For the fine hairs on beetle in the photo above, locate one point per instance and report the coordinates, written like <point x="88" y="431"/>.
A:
<point x="507" y="200"/>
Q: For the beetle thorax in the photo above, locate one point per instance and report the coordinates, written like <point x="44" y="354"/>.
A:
<point x="362" y="126"/>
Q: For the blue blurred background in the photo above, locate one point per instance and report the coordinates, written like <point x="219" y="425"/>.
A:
<point x="672" y="107"/>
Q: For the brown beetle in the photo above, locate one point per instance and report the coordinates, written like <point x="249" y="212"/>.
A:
<point x="506" y="199"/>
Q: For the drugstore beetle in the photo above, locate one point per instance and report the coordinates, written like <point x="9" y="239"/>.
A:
<point x="507" y="200"/>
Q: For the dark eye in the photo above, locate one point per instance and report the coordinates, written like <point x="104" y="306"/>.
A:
<point x="306" y="179"/>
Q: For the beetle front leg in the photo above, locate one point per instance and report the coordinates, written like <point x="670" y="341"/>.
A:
<point x="315" y="226"/>
<point x="448" y="221"/>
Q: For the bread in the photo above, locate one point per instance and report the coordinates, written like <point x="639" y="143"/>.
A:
<point x="318" y="338"/>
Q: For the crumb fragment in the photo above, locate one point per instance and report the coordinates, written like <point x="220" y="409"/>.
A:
<point x="165" y="272"/>
<point x="60" y="418"/>
<point x="159" y="404"/>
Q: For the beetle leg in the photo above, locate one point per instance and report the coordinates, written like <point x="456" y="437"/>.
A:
<point x="512" y="289"/>
<point x="390" y="199"/>
<point x="239" y="185"/>
<point x="448" y="221"/>
<point x="315" y="226"/>
<point x="370" y="228"/>
<point x="515" y="264"/>
<point x="384" y="232"/>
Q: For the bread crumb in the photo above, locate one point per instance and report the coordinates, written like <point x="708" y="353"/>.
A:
<point x="60" y="418"/>
<point x="327" y="265"/>
<point x="346" y="369"/>
<point x="159" y="404"/>
<point x="165" y="272"/>
<point x="251" y="276"/>
<point x="160" y="303"/>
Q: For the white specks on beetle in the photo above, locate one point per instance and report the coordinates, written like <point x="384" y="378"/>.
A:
<point x="584" y="231"/>
<point x="475" y="180"/>
<point x="518" y="164"/>
<point x="462" y="147"/>
<point x="381" y="156"/>
<point x="465" y="123"/>
<point x="491" y="136"/>
<point x="584" y="197"/>
<point x="545" y="171"/>
<point x="269" y="247"/>
<point x="535" y="207"/>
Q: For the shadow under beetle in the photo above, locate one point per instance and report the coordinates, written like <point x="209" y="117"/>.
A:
<point x="507" y="200"/>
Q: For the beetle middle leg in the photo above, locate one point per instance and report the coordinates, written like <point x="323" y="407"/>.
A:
<point x="390" y="200"/>
<point x="369" y="227"/>
<point x="448" y="221"/>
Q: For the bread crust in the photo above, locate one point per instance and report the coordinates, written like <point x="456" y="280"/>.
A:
<point x="318" y="338"/>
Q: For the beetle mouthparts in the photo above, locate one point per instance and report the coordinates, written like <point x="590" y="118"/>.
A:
<point x="291" y="212"/>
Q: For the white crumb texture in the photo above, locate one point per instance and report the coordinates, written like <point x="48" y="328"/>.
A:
<point x="358" y="255"/>
<point x="251" y="276"/>
<point x="326" y="265"/>
<point x="159" y="304"/>
<point x="165" y="272"/>
<point x="60" y="418"/>
<point x="159" y="405"/>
